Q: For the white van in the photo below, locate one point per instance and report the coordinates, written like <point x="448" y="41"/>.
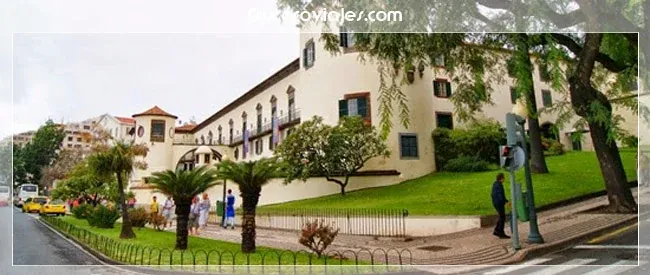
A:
<point x="25" y="191"/>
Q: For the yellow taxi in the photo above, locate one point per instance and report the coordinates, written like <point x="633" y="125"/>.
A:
<point x="56" y="207"/>
<point x="34" y="204"/>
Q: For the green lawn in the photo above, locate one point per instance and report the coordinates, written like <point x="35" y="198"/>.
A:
<point x="571" y="175"/>
<point x="146" y="237"/>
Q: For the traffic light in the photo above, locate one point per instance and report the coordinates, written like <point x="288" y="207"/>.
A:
<point x="506" y="156"/>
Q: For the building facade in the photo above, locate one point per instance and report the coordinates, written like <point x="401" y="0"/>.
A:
<point x="119" y="128"/>
<point x="318" y="83"/>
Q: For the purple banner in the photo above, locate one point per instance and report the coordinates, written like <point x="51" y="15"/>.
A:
<point x="276" y="131"/>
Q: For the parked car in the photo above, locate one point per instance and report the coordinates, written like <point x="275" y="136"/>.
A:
<point x="34" y="204"/>
<point x="5" y="195"/>
<point x="56" y="207"/>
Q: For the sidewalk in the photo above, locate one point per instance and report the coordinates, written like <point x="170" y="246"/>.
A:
<point x="475" y="247"/>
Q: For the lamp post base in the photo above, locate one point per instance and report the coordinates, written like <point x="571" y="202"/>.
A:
<point x="535" y="238"/>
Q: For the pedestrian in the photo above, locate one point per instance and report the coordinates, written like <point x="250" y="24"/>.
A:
<point x="153" y="208"/>
<point x="499" y="202"/>
<point x="193" y="219"/>
<point x="131" y="202"/>
<point x="167" y="211"/>
<point x="204" y="206"/>
<point x="75" y="203"/>
<point x="230" y="210"/>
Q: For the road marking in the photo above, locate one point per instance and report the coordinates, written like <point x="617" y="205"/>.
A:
<point x="561" y="268"/>
<point x="519" y="266"/>
<point x="612" y="234"/>
<point x="616" y="268"/>
<point x="635" y="247"/>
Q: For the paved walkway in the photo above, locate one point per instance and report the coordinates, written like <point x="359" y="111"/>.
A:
<point x="475" y="247"/>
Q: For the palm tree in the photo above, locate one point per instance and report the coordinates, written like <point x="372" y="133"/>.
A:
<point x="119" y="160"/>
<point x="250" y="176"/>
<point x="183" y="186"/>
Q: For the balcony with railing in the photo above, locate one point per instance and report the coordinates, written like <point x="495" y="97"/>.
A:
<point x="285" y="121"/>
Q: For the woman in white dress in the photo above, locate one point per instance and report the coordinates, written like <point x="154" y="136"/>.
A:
<point x="204" y="207"/>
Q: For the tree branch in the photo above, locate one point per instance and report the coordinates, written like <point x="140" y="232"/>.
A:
<point x="602" y="58"/>
<point x="334" y="180"/>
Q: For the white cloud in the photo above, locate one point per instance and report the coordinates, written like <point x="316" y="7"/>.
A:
<point x="80" y="71"/>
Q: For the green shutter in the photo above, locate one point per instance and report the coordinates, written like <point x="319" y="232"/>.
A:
<point x="362" y="107"/>
<point x="304" y="57"/>
<point x="448" y="88"/>
<point x="436" y="88"/>
<point x="343" y="108"/>
<point x="343" y="37"/>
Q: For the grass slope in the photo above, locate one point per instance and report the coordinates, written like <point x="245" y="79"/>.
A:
<point x="571" y="175"/>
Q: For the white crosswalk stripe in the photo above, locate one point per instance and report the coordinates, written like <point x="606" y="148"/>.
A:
<point x="518" y="266"/>
<point x="551" y="270"/>
<point x="616" y="268"/>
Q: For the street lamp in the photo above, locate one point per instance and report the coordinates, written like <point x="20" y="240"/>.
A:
<point x="534" y="236"/>
<point x="224" y="157"/>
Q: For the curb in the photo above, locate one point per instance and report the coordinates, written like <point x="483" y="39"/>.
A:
<point x="539" y="250"/>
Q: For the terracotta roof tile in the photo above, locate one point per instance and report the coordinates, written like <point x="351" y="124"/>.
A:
<point x="125" y="120"/>
<point x="155" y="111"/>
<point x="185" y="128"/>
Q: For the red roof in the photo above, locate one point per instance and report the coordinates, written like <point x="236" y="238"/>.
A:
<point x="185" y="128"/>
<point x="125" y="119"/>
<point x="155" y="111"/>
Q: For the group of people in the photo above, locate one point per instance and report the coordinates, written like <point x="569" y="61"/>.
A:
<point x="199" y="211"/>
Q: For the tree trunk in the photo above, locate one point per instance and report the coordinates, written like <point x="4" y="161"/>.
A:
<point x="248" y="220"/>
<point x="182" y="219"/>
<point x="342" y="190"/>
<point x="537" y="160"/>
<point x="584" y="99"/>
<point x="127" y="230"/>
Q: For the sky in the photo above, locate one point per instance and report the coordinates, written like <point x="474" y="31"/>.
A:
<point x="74" y="60"/>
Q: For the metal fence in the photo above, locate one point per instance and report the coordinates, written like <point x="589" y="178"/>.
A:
<point x="370" y="222"/>
<point x="133" y="254"/>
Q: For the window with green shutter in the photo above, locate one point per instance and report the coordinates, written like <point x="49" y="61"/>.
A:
<point x="547" y="98"/>
<point x="513" y="95"/>
<point x="442" y="88"/>
<point x="355" y="105"/>
<point x="343" y="108"/>
<point x="444" y="120"/>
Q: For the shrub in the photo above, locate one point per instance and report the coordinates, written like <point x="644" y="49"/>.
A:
<point x="630" y="141"/>
<point x="480" y="140"/>
<point x="138" y="217"/>
<point x="156" y="220"/>
<point x="317" y="236"/>
<point x="552" y="147"/>
<point x="103" y="217"/>
<point x="82" y="211"/>
<point x="467" y="164"/>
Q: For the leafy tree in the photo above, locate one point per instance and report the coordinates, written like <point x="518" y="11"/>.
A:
<point x="318" y="150"/>
<point x="82" y="181"/>
<point x="64" y="163"/>
<point x="250" y="177"/>
<point x="183" y="186"/>
<point x="119" y="160"/>
<point x="19" y="172"/>
<point x="5" y="162"/>
<point x="617" y="54"/>
<point x="42" y="150"/>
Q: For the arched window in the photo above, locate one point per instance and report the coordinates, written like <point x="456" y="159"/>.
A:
<point x="231" y="123"/>
<point x="202" y="140"/>
<point x="210" y="137"/>
<point x="196" y="140"/>
<point x="219" y="141"/>
<point x="259" y="117"/>
<point x="291" y="93"/>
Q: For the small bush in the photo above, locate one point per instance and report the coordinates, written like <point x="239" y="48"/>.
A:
<point x="467" y="164"/>
<point x="552" y="147"/>
<point x="317" y="236"/>
<point x="156" y="220"/>
<point x="480" y="140"/>
<point x="138" y="216"/>
<point x="630" y="141"/>
<point x="103" y="217"/>
<point x="82" y="211"/>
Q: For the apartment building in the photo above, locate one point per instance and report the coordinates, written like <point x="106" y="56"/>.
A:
<point x="23" y="138"/>
<point x="119" y="128"/>
<point x="318" y="83"/>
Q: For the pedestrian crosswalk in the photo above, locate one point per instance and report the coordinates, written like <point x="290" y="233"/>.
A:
<point x="550" y="266"/>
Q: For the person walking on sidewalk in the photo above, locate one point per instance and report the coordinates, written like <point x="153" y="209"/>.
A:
<point x="230" y="210"/>
<point x="193" y="221"/>
<point x="204" y="206"/>
<point x="499" y="202"/>
<point x="153" y="208"/>
<point x="167" y="211"/>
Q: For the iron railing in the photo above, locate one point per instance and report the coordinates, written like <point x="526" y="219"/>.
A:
<point x="370" y="222"/>
<point x="291" y="117"/>
<point x="128" y="253"/>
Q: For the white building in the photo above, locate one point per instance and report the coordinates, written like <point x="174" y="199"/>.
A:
<point x="120" y="128"/>
<point x="318" y="83"/>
